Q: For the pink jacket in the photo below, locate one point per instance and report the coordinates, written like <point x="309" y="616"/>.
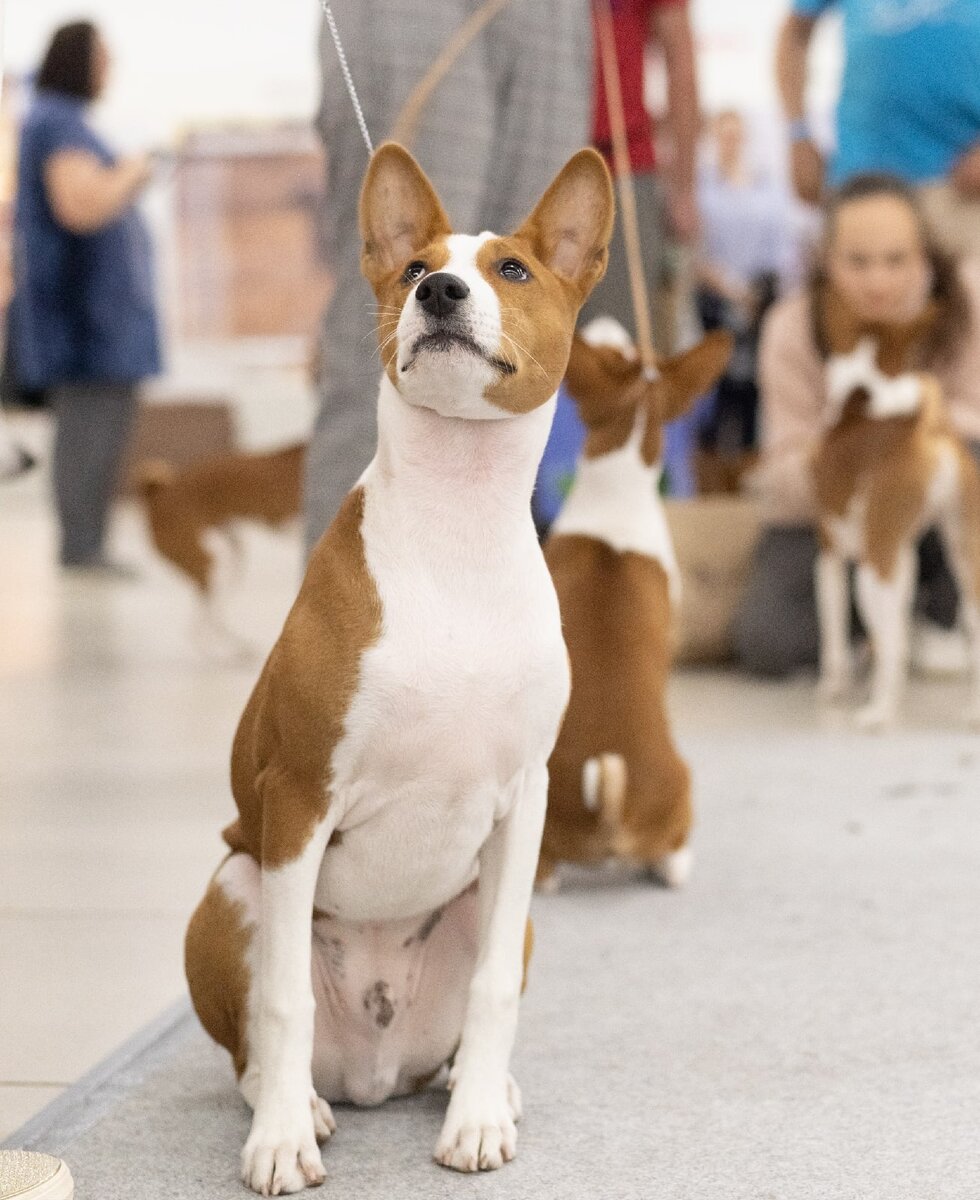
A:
<point x="791" y="376"/>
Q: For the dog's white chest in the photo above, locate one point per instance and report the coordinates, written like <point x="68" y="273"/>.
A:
<point x="615" y="499"/>
<point x="463" y="691"/>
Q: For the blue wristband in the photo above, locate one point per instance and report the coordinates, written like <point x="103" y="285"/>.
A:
<point x="799" y="131"/>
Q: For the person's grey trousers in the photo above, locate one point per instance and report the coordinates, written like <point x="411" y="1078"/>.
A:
<point x="93" y="423"/>
<point x="613" y="296"/>
<point x="513" y="108"/>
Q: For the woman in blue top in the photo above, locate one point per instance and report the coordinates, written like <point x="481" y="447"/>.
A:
<point x="83" y="325"/>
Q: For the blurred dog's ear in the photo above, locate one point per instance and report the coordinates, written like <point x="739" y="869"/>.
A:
<point x="687" y="376"/>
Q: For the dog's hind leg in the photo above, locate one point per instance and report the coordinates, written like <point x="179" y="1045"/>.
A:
<point x="221" y="960"/>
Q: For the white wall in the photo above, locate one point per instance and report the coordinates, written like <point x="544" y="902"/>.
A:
<point x="182" y="61"/>
<point x="737" y="43"/>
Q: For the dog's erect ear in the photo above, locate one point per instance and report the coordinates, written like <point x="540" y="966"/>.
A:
<point x="689" y="375"/>
<point x="400" y="211"/>
<point x="572" y="224"/>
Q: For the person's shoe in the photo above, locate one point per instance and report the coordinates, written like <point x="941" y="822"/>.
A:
<point x="27" y="1175"/>
<point x="938" y="653"/>
<point x="101" y="567"/>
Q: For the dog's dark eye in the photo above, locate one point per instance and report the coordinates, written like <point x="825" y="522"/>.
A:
<point x="513" y="270"/>
<point x="414" y="272"/>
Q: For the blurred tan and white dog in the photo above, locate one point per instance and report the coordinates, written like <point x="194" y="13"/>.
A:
<point x="193" y="513"/>
<point x="618" y="787"/>
<point x="888" y="468"/>
<point x="390" y="769"/>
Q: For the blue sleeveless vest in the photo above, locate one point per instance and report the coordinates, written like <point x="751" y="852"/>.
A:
<point x="84" y="304"/>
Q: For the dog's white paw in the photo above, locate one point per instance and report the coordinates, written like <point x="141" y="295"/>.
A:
<point x="480" y="1132"/>
<point x="281" y="1156"/>
<point x="875" y="718"/>
<point x="323" y="1120"/>
<point x="674" y="870"/>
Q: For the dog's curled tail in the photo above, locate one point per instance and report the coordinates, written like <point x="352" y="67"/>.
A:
<point x="152" y="475"/>
<point x="604" y="780"/>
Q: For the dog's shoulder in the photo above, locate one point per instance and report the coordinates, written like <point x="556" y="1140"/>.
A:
<point x="295" y="716"/>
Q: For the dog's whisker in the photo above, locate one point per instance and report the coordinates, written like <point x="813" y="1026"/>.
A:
<point x="523" y="350"/>
<point x="387" y="341"/>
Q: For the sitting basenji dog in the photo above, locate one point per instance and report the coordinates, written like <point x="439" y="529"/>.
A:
<point x="618" y="787"/>
<point x="192" y="513"/>
<point x="390" y="768"/>
<point x="888" y="467"/>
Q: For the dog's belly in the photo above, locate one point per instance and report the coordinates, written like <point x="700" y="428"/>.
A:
<point x="390" y="1000"/>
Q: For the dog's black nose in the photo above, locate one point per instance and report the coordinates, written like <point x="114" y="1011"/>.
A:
<point x="440" y="292"/>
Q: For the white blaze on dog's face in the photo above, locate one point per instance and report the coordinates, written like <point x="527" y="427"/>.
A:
<point x="480" y="327"/>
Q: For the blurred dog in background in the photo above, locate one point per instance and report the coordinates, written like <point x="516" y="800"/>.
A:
<point x="192" y="513"/>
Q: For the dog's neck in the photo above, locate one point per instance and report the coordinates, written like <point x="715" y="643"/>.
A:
<point x="873" y="358"/>
<point x="457" y="473"/>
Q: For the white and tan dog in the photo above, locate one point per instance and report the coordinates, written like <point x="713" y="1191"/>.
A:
<point x="390" y="769"/>
<point x="192" y="516"/>
<point x="888" y="467"/>
<point x="618" y="786"/>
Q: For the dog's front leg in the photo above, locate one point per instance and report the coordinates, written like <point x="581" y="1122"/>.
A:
<point x="281" y="1153"/>
<point x="886" y="609"/>
<point x="479" y="1132"/>
<point x="833" y="621"/>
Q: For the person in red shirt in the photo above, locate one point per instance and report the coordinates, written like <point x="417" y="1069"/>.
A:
<point x="665" y="193"/>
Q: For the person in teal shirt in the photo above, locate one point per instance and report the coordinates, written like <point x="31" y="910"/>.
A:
<point x="909" y="103"/>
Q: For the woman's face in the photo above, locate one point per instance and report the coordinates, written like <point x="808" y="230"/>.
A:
<point x="101" y="63"/>
<point x="876" y="259"/>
